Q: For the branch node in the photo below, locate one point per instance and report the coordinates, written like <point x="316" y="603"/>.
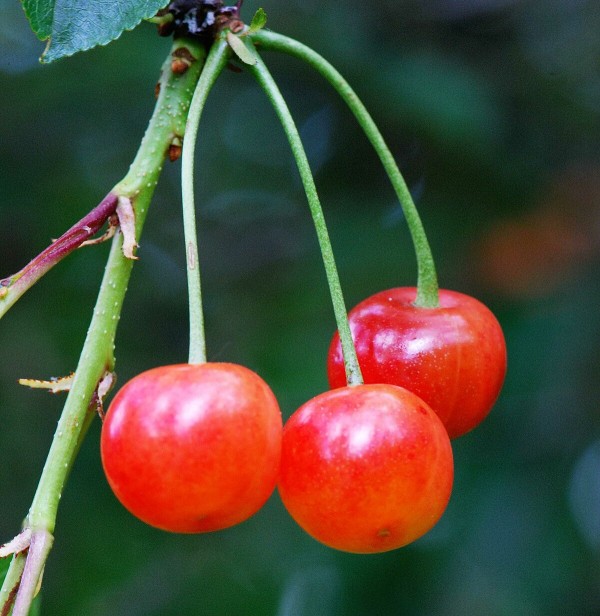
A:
<point x="113" y="223"/>
<point x="105" y="384"/>
<point x="19" y="544"/>
<point x="54" y="385"/>
<point x="126" y="217"/>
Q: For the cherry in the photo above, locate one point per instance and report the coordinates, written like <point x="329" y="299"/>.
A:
<point x="452" y="356"/>
<point x="193" y="448"/>
<point x="365" y="469"/>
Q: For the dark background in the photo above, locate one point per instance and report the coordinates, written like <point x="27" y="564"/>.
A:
<point x="492" y="109"/>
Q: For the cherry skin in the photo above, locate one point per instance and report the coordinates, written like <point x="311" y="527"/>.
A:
<point x="193" y="448"/>
<point x="453" y="356"/>
<point x="365" y="469"/>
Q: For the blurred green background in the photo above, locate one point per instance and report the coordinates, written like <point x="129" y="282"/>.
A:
<point x="492" y="109"/>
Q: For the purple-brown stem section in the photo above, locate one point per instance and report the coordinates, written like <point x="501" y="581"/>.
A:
<point x="41" y="543"/>
<point x="11" y="599"/>
<point x="69" y="241"/>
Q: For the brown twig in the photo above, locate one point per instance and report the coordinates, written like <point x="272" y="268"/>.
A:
<point x="12" y="287"/>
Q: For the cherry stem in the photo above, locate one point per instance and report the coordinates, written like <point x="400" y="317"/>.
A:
<point x="264" y="78"/>
<point x="427" y="284"/>
<point x="215" y="63"/>
<point x="166" y="125"/>
<point x="39" y="548"/>
<point x="11" y="582"/>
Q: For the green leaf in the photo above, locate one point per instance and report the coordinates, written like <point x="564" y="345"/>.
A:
<point x="39" y="13"/>
<point x="70" y="26"/>
<point x="240" y="50"/>
<point x="259" y="20"/>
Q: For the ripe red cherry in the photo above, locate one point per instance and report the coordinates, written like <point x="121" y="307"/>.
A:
<point x="453" y="356"/>
<point x="365" y="469"/>
<point x="193" y="448"/>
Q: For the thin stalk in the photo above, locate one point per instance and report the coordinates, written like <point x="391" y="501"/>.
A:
<point x="427" y="284"/>
<point x="41" y="544"/>
<point x="166" y="125"/>
<point x="215" y="63"/>
<point x="264" y="78"/>
<point x="11" y="582"/>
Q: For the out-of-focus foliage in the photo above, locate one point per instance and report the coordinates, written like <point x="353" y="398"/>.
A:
<point x="492" y="108"/>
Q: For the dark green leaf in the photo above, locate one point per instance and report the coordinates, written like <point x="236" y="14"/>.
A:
<point x="70" y="26"/>
<point x="39" y="13"/>
<point x="258" y="21"/>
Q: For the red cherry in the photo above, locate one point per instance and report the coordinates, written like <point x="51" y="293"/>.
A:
<point x="365" y="469"/>
<point x="193" y="448"/>
<point x="453" y="356"/>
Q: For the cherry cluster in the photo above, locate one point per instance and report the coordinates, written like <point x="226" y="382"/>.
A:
<point x="362" y="468"/>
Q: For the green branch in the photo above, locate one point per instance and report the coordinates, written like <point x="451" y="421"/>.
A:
<point x="166" y="126"/>
<point x="427" y="285"/>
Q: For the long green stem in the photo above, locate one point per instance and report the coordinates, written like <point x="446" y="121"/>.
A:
<point x="166" y="125"/>
<point x="264" y="78"/>
<point x="427" y="285"/>
<point x="215" y="63"/>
